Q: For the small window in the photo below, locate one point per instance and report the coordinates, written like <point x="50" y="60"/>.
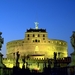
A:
<point x="27" y="38"/>
<point x="49" y="41"/>
<point x="42" y="58"/>
<point x="38" y="40"/>
<point x="37" y="58"/>
<point x="38" y="35"/>
<point x="43" y="38"/>
<point x="22" y="41"/>
<point x="35" y="40"/>
<point x="28" y="35"/>
<point x="33" y="35"/>
<point x="43" y="35"/>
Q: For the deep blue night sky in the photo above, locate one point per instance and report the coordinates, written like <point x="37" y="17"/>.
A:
<point x="56" y="16"/>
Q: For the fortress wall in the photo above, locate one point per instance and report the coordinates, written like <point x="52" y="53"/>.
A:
<point x="48" y="47"/>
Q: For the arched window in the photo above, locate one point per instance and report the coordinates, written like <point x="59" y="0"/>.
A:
<point x="38" y="35"/>
<point x="43" y="35"/>
<point x="28" y="35"/>
<point x="36" y="40"/>
<point x="43" y="38"/>
<point x="27" y="38"/>
<point x="33" y="35"/>
<point x="33" y="40"/>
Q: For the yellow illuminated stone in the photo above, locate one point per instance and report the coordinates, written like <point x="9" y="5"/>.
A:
<point x="45" y="47"/>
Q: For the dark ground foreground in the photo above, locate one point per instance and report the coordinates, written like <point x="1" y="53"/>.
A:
<point x="46" y="71"/>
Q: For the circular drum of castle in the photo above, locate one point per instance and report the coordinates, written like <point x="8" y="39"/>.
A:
<point x="36" y="42"/>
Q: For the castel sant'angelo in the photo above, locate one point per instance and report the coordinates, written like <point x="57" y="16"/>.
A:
<point x="37" y="45"/>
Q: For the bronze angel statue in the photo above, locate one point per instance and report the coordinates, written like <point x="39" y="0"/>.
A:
<point x="73" y="40"/>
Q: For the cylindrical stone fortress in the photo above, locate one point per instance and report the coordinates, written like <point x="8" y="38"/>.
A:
<point x="36" y="42"/>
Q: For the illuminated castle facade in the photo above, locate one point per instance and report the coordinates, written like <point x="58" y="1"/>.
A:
<point x="37" y="44"/>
